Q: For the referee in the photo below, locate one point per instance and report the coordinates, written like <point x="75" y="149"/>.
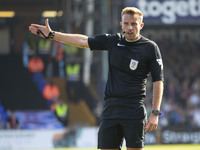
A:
<point x="132" y="58"/>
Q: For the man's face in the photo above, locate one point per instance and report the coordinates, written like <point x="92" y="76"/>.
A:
<point x="131" y="25"/>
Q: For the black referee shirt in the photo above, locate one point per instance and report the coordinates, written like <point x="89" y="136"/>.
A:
<point x="130" y="63"/>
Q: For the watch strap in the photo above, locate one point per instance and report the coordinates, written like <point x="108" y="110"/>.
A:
<point x="51" y="35"/>
<point x="156" y="112"/>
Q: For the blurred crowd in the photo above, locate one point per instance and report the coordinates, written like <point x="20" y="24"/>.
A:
<point x="8" y="120"/>
<point x="181" y="101"/>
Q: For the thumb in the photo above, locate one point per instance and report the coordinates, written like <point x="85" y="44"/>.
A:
<point x="47" y="24"/>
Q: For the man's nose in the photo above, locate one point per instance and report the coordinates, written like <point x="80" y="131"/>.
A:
<point x="130" y="27"/>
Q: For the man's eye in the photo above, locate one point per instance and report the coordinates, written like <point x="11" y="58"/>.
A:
<point x="134" y="24"/>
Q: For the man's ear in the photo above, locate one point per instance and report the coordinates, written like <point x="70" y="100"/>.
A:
<point x="121" y="23"/>
<point x="142" y="25"/>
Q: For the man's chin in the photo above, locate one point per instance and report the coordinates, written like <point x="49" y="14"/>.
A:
<point x="130" y="39"/>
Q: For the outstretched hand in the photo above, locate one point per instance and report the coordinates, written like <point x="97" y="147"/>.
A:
<point x="44" y="29"/>
<point x="152" y="123"/>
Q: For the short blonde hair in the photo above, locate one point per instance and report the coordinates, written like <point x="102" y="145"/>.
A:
<point x="132" y="11"/>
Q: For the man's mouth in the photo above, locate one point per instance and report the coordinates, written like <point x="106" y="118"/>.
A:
<point x="130" y="34"/>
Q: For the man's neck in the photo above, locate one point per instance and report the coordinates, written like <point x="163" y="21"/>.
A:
<point x="136" y="39"/>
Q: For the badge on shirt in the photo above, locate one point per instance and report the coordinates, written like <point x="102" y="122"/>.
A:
<point x="133" y="64"/>
<point x="160" y="63"/>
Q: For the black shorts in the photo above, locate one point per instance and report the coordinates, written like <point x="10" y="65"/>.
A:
<point x="113" y="131"/>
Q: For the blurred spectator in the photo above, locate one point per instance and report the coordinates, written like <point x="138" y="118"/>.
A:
<point x="196" y="117"/>
<point x="194" y="99"/>
<point x="12" y="121"/>
<point x="25" y="54"/>
<point x="73" y="72"/>
<point x="36" y="64"/>
<point x="55" y="64"/>
<point x="60" y="59"/>
<point x="36" y="67"/>
<point x="61" y="111"/>
<point x="196" y="84"/>
<point x="2" y="126"/>
<point x="44" y="45"/>
<point x="51" y="93"/>
<point x="164" y="121"/>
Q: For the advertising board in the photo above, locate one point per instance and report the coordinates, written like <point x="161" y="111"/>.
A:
<point x="168" y="11"/>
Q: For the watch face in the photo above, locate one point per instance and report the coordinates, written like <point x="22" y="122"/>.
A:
<point x="156" y="112"/>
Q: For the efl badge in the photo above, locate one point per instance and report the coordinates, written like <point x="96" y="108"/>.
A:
<point x="133" y="64"/>
<point x="160" y="63"/>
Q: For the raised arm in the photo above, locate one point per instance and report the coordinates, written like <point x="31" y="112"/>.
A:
<point x="77" y="40"/>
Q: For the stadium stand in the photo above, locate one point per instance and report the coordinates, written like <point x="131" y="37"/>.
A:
<point x="18" y="91"/>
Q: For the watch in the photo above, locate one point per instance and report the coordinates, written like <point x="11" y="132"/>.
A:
<point x="156" y="112"/>
<point x="51" y="35"/>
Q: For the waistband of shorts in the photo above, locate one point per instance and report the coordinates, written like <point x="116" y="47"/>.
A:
<point x="124" y="99"/>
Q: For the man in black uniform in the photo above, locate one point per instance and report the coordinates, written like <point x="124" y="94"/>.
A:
<point x="132" y="58"/>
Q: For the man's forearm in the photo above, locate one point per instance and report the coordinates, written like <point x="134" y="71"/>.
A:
<point x="77" y="40"/>
<point x="157" y="94"/>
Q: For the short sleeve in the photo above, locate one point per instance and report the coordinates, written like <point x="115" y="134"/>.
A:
<point x="156" y="64"/>
<point x="99" y="42"/>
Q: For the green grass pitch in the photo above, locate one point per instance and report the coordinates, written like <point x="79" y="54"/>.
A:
<point x="148" y="147"/>
<point x="151" y="147"/>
